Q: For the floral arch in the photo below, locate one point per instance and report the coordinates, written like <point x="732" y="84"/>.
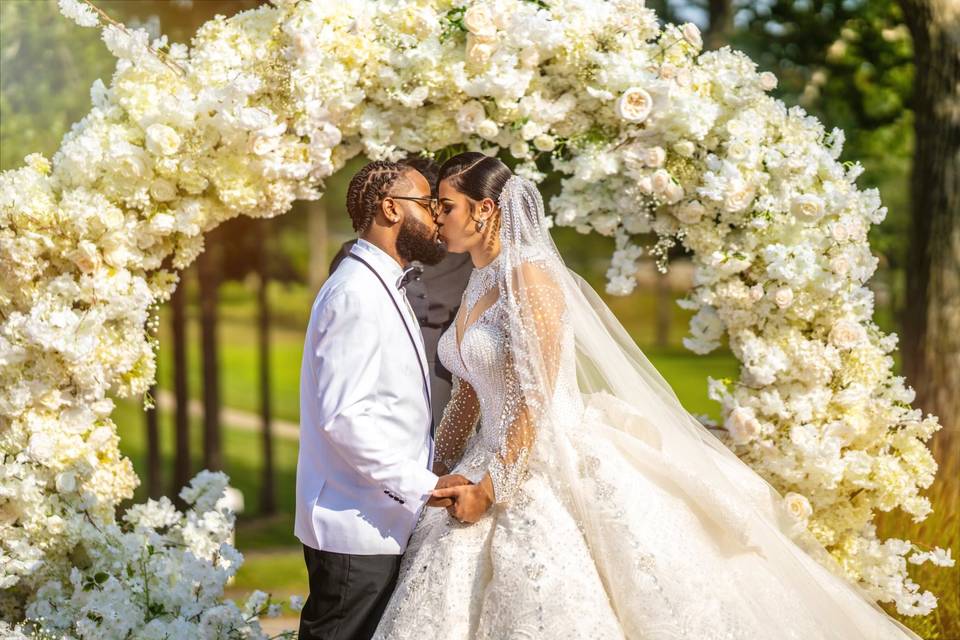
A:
<point x="649" y="133"/>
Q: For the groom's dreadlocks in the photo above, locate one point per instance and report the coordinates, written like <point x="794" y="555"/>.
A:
<point x="368" y="187"/>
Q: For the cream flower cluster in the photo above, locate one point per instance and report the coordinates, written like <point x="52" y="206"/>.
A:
<point x="653" y="137"/>
<point x="158" y="574"/>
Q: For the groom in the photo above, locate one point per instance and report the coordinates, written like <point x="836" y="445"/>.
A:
<point x="366" y="441"/>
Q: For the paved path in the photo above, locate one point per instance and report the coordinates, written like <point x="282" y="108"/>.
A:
<point x="234" y="418"/>
<point x="275" y="626"/>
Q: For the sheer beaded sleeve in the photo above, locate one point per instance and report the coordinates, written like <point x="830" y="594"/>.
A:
<point x="457" y="424"/>
<point x="536" y="305"/>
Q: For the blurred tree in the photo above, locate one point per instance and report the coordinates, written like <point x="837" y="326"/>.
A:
<point x="720" y="27"/>
<point x="268" y="499"/>
<point x="151" y="422"/>
<point x="931" y="344"/>
<point x="850" y="63"/>
<point x="208" y="274"/>
<point x="181" y="460"/>
<point x="36" y="42"/>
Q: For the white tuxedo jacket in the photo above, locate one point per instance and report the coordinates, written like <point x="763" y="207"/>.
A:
<point x="363" y="470"/>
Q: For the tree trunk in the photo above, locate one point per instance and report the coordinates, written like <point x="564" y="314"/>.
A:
<point x="664" y="308"/>
<point x="182" y="463"/>
<point x="208" y="268"/>
<point x="317" y="239"/>
<point x="931" y="331"/>
<point x="153" y="446"/>
<point x="721" y="24"/>
<point x="268" y="502"/>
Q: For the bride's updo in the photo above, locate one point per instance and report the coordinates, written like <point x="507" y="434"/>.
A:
<point x="476" y="175"/>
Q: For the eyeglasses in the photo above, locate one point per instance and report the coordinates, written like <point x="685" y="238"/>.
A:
<point x="431" y="203"/>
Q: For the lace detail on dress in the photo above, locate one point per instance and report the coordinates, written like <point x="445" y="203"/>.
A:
<point x="457" y="424"/>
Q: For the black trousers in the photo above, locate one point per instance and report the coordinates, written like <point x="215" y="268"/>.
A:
<point x="348" y="594"/>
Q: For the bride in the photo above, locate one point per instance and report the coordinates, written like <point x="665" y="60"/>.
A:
<point x="599" y="508"/>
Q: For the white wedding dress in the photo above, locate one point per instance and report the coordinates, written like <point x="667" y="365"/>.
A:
<point x="613" y="517"/>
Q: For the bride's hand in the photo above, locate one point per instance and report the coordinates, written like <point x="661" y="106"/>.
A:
<point x="470" y="502"/>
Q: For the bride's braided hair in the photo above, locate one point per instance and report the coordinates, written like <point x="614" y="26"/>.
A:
<point x="368" y="187"/>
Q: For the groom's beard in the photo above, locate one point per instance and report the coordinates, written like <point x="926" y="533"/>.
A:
<point x="416" y="242"/>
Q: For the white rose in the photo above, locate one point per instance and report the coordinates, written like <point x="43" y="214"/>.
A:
<point x="691" y="33"/>
<point x="86" y="256"/>
<point x="756" y="292"/>
<point x="645" y="184"/>
<point x="40" y="447"/>
<point x="470" y="115"/>
<point x="673" y="194"/>
<point x="768" y="81"/>
<point x="634" y="105"/>
<point x="162" y="140"/>
<point x="163" y="190"/>
<point x="479" y="22"/>
<point x="115" y="251"/>
<point x="132" y="165"/>
<point x="783" y="297"/>
<point x="847" y="333"/>
<point x="544" y="142"/>
<point x="519" y="149"/>
<point x="488" y="129"/>
<point x="807" y="207"/>
<point x="163" y="223"/>
<point x="742" y="425"/>
<point x="737" y="149"/>
<point x="840" y="232"/>
<point x="839" y="265"/>
<point x="797" y="506"/>
<point x="478" y="51"/>
<point x="739" y="196"/>
<point x="654" y="156"/>
<point x="66" y="482"/>
<point x="661" y="181"/>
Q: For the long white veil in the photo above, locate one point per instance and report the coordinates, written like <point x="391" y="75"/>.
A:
<point x="573" y="358"/>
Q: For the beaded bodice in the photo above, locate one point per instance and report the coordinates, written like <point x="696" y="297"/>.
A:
<point x="494" y="396"/>
<point x="483" y="355"/>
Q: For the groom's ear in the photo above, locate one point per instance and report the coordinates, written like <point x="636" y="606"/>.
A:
<point x="390" y="211"/>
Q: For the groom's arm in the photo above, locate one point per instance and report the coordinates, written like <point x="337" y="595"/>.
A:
<point x="347" y="358"/>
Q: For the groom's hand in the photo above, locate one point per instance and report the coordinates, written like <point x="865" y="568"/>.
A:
<point x="469" y="502"/>
<point x="445" y="482"/>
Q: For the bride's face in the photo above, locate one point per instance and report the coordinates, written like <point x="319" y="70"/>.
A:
<point x="457" y="218"/>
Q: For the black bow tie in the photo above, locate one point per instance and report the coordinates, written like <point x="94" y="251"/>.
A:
<point x="411" y="273"/>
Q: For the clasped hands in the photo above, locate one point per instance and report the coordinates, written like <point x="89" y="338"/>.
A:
<point x="464" y="500"/>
